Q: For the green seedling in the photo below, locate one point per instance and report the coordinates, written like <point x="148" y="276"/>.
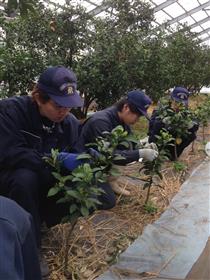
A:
<point x="179" y="166"/>
<point x="152" y="169"/>
<point x="150" y="208"/>
<point x="178" y="122"/>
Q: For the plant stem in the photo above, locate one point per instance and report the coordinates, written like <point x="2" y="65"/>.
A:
<point x="175" y="151"/>
<point x="148" y="190"/>
<point x="192" y="150"/>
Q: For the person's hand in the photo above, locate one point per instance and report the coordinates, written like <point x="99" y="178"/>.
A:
<point x="148" y="154"/>
<point x="69" y="160"/>
<point x="152" y="146"/>
<point x="145" y="144"/>
<point x="143" y="141"/>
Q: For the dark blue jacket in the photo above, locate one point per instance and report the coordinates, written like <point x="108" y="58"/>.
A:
<point x="101" y="121"/>
<point x="155" y="126"/>
<point x="26" y="136"/>
<point x="18" y="252"/>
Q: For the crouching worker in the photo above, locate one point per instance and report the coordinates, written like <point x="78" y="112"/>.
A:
<point x="30" y="126"/>
<point x="125" y="113"/>
<point x="18" y="253"/>
<point x="166" y="116"/>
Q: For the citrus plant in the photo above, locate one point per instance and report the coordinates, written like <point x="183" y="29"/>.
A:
<point x="78" y="189"/>
<point x="107" y="147"/>
<point x="152" y="169"/>
<point x="178" y="121"/>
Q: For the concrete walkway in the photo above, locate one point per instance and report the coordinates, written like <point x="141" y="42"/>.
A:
<point x="170" y="248"/>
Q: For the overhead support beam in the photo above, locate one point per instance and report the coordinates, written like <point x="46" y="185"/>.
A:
<point x="98" y="10"/>
<point x="189" y="13"/>
<point x="164" y="5"/>
<point x="199" y="22"/>
<point x="57" y="5"/>
<point x="205" y="39"/>
<point x="203" y="32"/>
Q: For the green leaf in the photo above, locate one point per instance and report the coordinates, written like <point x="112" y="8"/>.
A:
<point x="94" y="200"/>
<point x="118" y="157"/>
<point x="84" y="156"/>
<point x="53" y="191"/>
<point x="84" y="211"/>
<point x="114" y="173"/>
<point x="62" y="200"/>
<point x="125" y="144"/>
<point x="76" y="179"/>
<point x="66" y="178"/>
<point x="74" y="194"/>
<point x="57" y="175"/>
<point x="72" y="208"/>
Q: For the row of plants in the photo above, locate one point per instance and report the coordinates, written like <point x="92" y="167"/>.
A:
<point x="110" y="55"/>
<point x="99" y="164"/>
<point x="80" y="188"/>
<point x="179" y="122"/>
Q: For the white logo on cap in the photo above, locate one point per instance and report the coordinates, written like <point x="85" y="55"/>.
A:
<point x="182" y="95"/>
<point x="70" y="90"/>
<point x="68" y="86"/>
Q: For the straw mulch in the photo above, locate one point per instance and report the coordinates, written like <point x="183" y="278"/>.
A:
<point x="96" y="241"/>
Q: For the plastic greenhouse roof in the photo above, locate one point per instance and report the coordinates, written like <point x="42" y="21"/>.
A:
<point x="194" y="13"/>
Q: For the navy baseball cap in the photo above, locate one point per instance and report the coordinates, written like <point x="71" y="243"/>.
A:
<point x="180" y="94"/>
<point x="60" y="84"/>
<point x="140" y="100"/>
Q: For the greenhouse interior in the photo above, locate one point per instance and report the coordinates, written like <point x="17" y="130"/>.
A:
<point x="105" y="139"/>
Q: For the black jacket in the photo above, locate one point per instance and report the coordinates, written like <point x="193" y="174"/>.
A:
<point x="26" y="136"/>
<point x="101" y="121"/>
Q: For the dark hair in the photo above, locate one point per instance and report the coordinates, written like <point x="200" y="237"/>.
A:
<point x="120" y="104"/>
<point x="44" y="98"/>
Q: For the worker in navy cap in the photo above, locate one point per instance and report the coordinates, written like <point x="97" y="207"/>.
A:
<point x="60" y="85"/>
<point x="179" y="97"/>
<point x="126" y="112"/>
<point x="30" y="126"/>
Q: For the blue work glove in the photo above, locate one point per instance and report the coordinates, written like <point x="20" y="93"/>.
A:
<point x="69" y="160"/>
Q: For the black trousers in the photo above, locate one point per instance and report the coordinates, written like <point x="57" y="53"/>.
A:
<point x="29" y="190"/>
<point x="107" y="198"/>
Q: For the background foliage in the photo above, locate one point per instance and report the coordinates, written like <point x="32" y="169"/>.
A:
<point x="110" y="55"/>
